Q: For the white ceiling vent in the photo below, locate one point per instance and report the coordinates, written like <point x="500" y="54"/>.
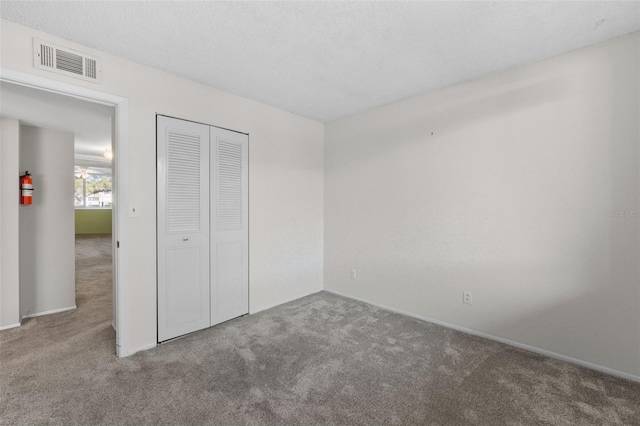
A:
<point x="69" y="62"/>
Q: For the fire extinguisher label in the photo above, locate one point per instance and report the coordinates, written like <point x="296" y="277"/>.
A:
<point x="27" y="192"/>
<point x="27" y="186"/>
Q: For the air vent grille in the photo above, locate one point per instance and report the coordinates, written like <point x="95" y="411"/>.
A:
<point x="90" y="67"/>
<point x="46" y="57"/>
<point x="69" y="62"/>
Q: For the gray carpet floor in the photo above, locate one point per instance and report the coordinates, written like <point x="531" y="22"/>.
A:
<point x="322" y="359"/>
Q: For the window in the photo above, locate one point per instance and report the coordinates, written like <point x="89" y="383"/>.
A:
<point x="92" y="190"/>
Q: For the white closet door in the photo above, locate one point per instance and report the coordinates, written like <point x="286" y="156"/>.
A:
<point x="229" y="225"/>
<point x="183" y="227"/>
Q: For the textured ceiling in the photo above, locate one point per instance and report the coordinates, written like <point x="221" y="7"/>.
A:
<point x="327" y="60"/>
<point x="90" y="122"/>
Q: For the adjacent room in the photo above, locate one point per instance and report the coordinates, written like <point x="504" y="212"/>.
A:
<point x="64" y="235"/>
<point x="320" y="212"/>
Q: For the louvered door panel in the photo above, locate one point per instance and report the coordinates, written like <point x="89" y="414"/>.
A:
<point x="229" y="225"/>
<point x="183" y="227"/>
<point x="184" y="182"/>
<point x="229" y="205"/>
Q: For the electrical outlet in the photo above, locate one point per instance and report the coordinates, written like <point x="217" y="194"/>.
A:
<point x="354" y="274"/>
<point x="467" y="297"/>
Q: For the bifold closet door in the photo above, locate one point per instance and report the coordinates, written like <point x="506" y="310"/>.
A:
<point x="203" y="226"/>
<point x="229" y="225"/>
<point x="183" y="158"/>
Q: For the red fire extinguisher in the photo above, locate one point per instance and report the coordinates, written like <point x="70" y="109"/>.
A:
<point x="26" y="189"/>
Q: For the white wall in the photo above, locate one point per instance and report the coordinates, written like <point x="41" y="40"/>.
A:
<point x="500" y="186"/>
<point x="47" y="236"/>
<point x="9" y="184"/>
<point x="285" y="176"/>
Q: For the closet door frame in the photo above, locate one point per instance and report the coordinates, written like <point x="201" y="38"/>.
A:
<point x="242" y="138"/>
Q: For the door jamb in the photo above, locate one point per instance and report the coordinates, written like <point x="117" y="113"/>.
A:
<point x="121" y="142"/>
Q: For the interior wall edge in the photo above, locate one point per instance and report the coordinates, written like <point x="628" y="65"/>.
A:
<point x="7" y="327"/>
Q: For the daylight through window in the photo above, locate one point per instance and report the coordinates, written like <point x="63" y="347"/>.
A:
<point x="92" y="190"/>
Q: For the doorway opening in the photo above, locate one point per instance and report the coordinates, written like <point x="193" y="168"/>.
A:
<point x="99" y="229"/>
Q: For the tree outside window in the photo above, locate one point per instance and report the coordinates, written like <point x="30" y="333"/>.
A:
<point x="93" y="190"/>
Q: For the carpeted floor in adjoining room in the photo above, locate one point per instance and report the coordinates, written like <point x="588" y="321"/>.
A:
<point x="322" y="359"/>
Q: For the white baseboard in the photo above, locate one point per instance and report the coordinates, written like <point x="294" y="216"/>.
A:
<point x="519" y="345"/>
<point x="6" y="327"/>
<point x="140" y="349"/>
<point x="53" y="311"/>
<point x="282" y="302"/>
